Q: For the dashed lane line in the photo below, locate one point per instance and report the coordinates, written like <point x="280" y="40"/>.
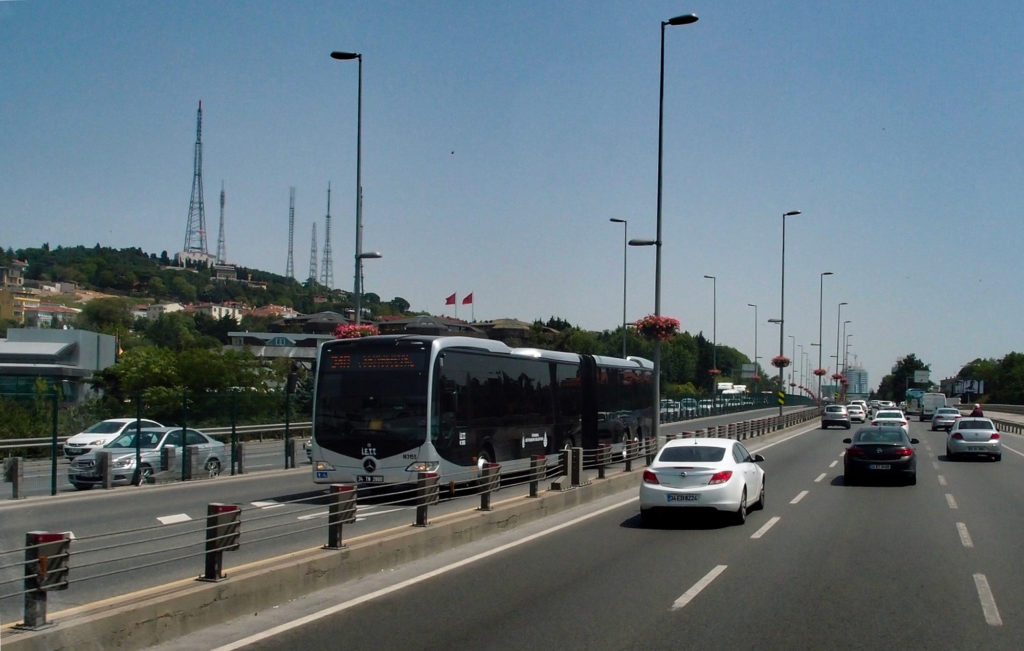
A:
<point x="965" y="536"/>
<point x="951" y="501"/>
<point x="765" y="527"/>
<point x="690" y="594"/>
<point x="988" y="601"/>
<point x="798" y="497"/>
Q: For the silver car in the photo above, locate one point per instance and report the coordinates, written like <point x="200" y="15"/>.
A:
<point x="84" y="471"/>
<point x="944" y="417"/>
<point x="974" y="436"/>
<point x="835" y="415"/>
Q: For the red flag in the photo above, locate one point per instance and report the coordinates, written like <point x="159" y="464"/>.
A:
<point x="450" y="300"/>
<point x="468" y="300"/>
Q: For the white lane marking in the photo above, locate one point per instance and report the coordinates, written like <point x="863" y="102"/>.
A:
<point x="765" y="527"/>
<point x="820" y="477"/>
<point x="1017" y="452"/>
<point x="951" y="501"/>
<point x="942" y="480"/>
<point x="266" y="505"/>
<point x="689" y="595"/>
<point x="173" y="519"/>
<point x="337" y="608"/>
<point x="965" y="536"/>
<point x="935" y="464"/>
<point x="988" y="602"/>
<point x="359" y="518"/>
<point x="799" y="497"/>
<point x="834" y="463"/>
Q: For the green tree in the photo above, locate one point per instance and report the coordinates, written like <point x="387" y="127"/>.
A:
<point x="106" y="315"/>
<point x="894" y="386"/>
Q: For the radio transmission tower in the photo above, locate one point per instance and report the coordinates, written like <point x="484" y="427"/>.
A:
<point x="327" y="271"/>
<point x="289" y="271"/>
<point x="222" y="253"/>
<point x="312" y="258"/>
<point x="195" y="233"/>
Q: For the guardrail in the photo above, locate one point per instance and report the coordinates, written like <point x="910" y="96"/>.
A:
<point x="244" y="431"/>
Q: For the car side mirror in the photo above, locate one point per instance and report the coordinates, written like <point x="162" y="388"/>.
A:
<point x="848" y="441"/>
<point x="758" y="458"/>
<point x="914" y="441"/>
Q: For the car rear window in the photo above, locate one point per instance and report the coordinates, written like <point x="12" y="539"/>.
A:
<point x="692" y="453"/>
<point x="879" y="436"/>
<point x="965" y="423"/>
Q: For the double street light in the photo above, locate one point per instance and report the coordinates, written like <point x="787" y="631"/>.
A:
<point x="782" y="301"/>
<point x="625" y="228"/>
<point x="714" y="338"/>
<point x="357" y="288"/>
<point x="656" y="243"/>
<point x="821" y="295"/>
<point x="755" y="343"/>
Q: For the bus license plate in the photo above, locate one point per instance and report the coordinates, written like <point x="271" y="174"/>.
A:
<point x="370" y="479"/>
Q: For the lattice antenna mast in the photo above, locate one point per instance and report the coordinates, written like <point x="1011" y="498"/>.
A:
<point x="222" y="253"/>
<point x="312" y="258"/>
<point x="289" y="271"/>
<point x="327" y="271"/>
<point x="195" y="232"/>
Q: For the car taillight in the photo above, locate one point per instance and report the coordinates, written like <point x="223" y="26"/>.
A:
<point x="903" y="423"/>
<point x="874" y="423"/>
<point x="905" y="452"/>
<point x="958" y="436"/>
<point x="854" y="452"/>
<point x="650" y="477"/>
<point x="995" y="436"/>
<point x="720" y="477"/>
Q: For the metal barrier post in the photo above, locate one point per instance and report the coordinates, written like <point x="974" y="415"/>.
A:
<point x="167" y="455"/>
<point x="628" y="450"/>
<point x="103" y="468"/>
<point x="538" y="465"/>
<point x="651" y="443"/>
<point x="427" y="493"/>
<point x="576" y="468"/>
<point x="490" y="479"/>
<point x="239" y="457"/>
<point x="190" y="461"/>
<point x="604" y="457"/>
<point x="342" y="510"/>
<point x="46" y="568"/>
<point x="14" y="472"/>
<point x="223" y="524"/>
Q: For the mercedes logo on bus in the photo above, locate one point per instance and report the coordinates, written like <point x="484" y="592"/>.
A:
<point x="369" y="465"/>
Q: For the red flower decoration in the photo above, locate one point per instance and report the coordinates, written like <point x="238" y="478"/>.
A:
<point x="713" y="371"/>
<point x="658" y="327"/>
<point x="820" y="371"/>
<point x="780" y="361"/>
<point x="353" y="331"/>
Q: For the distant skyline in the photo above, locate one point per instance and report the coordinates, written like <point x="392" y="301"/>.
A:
<point x="498" y="139"/>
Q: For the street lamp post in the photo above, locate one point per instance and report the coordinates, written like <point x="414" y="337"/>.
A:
<point x="782" y="388"/>
<point x="821" y="296"/>
<point x="792" y="360"/>
<point x="656" y="416"/>
<point x="625" y="228"/>
<point x="755" y="343"/>
<point x="359" y="257"/>
<point x="846" y="344"/>
<point x="714" y="339"/>
<point x="782" y="299"/>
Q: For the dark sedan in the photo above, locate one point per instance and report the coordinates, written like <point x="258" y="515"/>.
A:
<point x="880" y="452"/>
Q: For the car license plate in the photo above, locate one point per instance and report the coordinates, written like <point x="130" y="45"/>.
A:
<point x="370" y="479"/>
<point x="975" y="448"/>
<point x="683" y="497"/>
<point x="880" y="466"/>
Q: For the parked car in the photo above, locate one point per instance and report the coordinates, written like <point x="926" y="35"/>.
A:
<point x="835" y="415"/>
<point x="688" y="407"/>
<point x="856" y="413"/>
<point x="974" y="436"/>
<point x="891" y="418"/>
<point x="944" y="417"/>
<point x="102" y="433"/>
<point x="702" y="474"/>
<point x="84" y="472"/>
<point x="879" y="451"/>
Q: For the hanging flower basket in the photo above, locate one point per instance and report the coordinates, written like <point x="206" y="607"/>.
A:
<point x="793" y="384"/>
<point x="780" y="361"/>
<point x="837" y="376"/>
<point x="820" y="371"/>
<point x="353" y="331"/>
<point x="657" y="327"/>
<point x="714" y="371"/>
<point x="756" y="378"/>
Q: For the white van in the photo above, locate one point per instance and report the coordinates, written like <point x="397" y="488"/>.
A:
<point x="929" y="403"/>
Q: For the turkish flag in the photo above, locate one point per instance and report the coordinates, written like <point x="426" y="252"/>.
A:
<point x="468" y="300"/>
<point x="450" y="300"/>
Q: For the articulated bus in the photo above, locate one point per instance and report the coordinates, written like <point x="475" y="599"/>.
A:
<point x="390" y="406"/>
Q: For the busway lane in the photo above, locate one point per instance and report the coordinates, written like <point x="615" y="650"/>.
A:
<point x="985" y="501"/>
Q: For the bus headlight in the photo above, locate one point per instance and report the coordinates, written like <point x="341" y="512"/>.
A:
<point x="423" y="466"/>
<point x="323" y="465"/>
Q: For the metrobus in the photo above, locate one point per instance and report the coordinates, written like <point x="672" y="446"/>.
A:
<point x="388" y="407"/>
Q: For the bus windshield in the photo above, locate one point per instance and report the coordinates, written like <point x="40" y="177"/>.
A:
<point x="371" y="397"/>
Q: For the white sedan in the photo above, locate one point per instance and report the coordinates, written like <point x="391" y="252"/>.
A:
<point x="709" y="474"/>
<point x="891" y="418"/>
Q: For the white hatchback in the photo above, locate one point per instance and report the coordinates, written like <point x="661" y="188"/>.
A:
<point x="710" y="474"/>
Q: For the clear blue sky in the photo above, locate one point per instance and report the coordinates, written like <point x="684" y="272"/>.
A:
<point x="500" y="137"/>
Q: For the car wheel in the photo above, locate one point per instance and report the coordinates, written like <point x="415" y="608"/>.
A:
<point x="997" y="457"/>
<point x="740" y="515"/>
<point x="648" y="517"/>
<point x="213" y="467"/>
<point x="80" y="487"/>
<point x="912" y="480"/>
<point x="759" y="504"/>
<point x="146" y="474"/>
<point x="848" y="478"/>
<point x="949" y="454"/>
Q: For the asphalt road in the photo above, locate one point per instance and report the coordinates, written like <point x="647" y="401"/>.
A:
<point x="825" y="565"/>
